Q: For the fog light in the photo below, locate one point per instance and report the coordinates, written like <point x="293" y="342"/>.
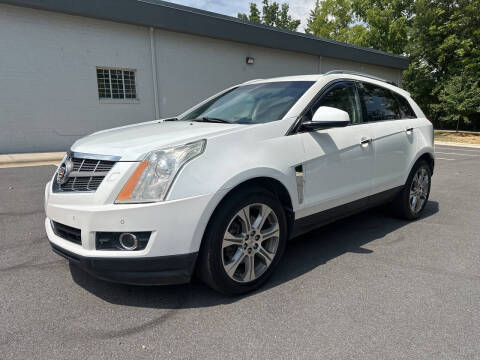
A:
<point x="122" y="241"/>
<point x="128" y="241"/>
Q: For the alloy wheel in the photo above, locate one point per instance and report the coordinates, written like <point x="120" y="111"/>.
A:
<point x="419" y="190"/>
<point x="250" y="242"/>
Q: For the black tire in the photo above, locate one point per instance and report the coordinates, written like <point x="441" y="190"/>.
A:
<point x="402" y="201"/>
<point x="210" y="266"/>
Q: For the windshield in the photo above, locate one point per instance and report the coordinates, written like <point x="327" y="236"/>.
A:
<point x="252" y="104"/>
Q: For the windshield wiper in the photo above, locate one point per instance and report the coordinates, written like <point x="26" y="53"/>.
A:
<point x="212" y="120"/>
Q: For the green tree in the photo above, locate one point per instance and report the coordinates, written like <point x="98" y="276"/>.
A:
<point x="272" y="14"/>
<point x="335" y="20"/>
<point x="380" y="24"/>
<point x="459" y="100"/>
<point x="255" y="15"/>
<point x="444" y="47"/>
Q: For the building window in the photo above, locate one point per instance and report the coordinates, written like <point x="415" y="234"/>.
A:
<point x="116" y="84"/>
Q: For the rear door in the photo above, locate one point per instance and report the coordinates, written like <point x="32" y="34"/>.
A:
<point x="393" y="135"/>
<point x="338" y="166"/>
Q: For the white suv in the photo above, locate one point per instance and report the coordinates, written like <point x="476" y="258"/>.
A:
<point x="220" y="189"/>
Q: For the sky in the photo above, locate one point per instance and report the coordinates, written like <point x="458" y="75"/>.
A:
<point x="299" y="9"/>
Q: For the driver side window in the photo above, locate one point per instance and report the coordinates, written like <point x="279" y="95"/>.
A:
<point x="342" y="96"/>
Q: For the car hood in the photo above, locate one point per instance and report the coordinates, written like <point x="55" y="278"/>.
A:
<point x="133" y="142"/>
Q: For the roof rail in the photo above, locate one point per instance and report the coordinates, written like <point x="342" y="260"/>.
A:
<point x="331" y="72"/>
<point x="251" y="81"/>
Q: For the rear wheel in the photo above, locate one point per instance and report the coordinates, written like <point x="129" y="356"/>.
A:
<point x="414" y="196"/>
<point x="243" y="243"/>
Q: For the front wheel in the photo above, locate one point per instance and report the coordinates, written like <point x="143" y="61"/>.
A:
<point x="413" y="198"/>
<point x="243" y="243"/>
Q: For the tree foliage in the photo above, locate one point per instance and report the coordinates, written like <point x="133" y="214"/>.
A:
<point x="335" y="20"/>
<point x="445" y="46"/>
<point x="272" y="14"/>
<point x="442" y="39"/>
<point x="374" y="23"/>
<point x="459" y="100"/>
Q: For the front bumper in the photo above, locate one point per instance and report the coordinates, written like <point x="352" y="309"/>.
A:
<point x="176" y="227"/>
<point x="162" y="270"/>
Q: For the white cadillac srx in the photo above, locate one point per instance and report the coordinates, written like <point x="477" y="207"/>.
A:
<point x="219" y="190"/>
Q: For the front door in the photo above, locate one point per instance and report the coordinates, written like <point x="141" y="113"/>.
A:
<point x="338" y="166"/>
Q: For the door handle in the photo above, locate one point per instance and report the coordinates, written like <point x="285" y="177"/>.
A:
<point x="409" y="130"/>
<point x="364" y="141"/>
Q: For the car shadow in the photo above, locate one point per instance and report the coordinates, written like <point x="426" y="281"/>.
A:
<point x="302" y="255"/>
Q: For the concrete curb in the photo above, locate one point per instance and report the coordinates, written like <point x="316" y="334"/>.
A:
<point x="451" y="143"/>
<point x="35" y="159"/>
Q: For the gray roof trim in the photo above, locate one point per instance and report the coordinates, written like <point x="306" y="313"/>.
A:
<point x="169" y="16"/>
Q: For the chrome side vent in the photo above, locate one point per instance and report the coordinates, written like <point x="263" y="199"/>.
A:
<point x="300" y="181"/>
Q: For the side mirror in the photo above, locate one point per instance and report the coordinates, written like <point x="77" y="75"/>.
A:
<point x="326" y="116"/>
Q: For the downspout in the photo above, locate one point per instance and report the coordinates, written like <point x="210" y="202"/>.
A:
<point x="154" y="72"/>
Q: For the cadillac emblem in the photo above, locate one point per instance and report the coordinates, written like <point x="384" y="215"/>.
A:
<point x="64" y="171"/>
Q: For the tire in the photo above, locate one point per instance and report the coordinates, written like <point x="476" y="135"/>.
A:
<point x="226" y="258"/>
<point x="407" y="205"/>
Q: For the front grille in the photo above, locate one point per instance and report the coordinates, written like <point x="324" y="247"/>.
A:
<point x="88" y="165"/>
<point x="85" y="175"/>
<point x="78" y="183"/>
<point x="67" y="232"/>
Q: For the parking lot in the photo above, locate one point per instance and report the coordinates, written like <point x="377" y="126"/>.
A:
<point x="370" y="287"/>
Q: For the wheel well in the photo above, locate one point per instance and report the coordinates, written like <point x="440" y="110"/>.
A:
<point x="429" y="159"/>
<point x="273" y="186"/>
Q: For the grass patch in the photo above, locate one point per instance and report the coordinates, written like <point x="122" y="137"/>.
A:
<point x="467" y="137"/>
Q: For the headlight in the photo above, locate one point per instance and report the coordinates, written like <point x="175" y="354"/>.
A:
<point x="152" y="178"/>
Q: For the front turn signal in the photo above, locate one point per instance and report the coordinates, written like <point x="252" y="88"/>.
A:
<point x="127" y="190"/>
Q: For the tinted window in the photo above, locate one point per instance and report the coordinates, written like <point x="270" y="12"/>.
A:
<point x="405" y="108"/>
<point x="342" y="96"/>
<point x="253" y="104"/>
<point x="380" y="103"/>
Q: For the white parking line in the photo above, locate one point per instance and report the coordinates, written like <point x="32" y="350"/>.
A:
<point x="439" y="158"/>
<point x="449" y="153"/>
<point x="456" y="149"/>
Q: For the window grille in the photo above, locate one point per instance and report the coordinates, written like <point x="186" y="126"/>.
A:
<point x="116" y="84"/>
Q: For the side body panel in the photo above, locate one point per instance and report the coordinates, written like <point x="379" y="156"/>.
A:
<point x="424" y="144"/>
<point x="394" y="143"/>
<point x="338" y="168"/>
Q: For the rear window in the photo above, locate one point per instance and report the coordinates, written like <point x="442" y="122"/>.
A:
<point x="380" y="103"/>
<point x="405" y="108"/>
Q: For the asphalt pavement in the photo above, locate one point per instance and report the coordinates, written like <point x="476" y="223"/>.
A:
<point x="367" y="287"/>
